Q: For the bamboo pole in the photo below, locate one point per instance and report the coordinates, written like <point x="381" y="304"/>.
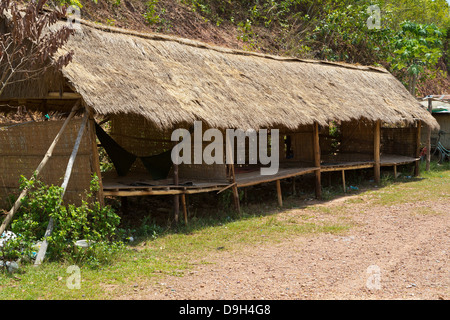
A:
<point x="376" y="151"/>
<point x="428" y="139"/>
<point x="43" y="249"/>
<point x="44" y="161"/>
<point x="280" y="196"/>
<point x="418" y="133"/>
<point x="95" y="161"/>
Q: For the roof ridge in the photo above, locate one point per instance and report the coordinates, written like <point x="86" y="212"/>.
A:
<point x="204" y="45"/>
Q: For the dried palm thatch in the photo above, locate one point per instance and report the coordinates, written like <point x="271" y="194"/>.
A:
<point x="169" y="81"/>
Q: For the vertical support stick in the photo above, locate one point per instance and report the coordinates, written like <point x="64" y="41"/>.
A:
<point x="44" y="161"/>
<point x="395" y="171"/>
<point x="316" y="150"/>
<point x="343" y="181"/>
<point x="294" y="192"/>
<point x="230" y="159"/>
<point x="183" y="204"/>
<point x="280" y="197"/>
<point x="376" y="150"/>
<point x="176" y="198"/>
<point x="418" y="133"/>
<point x="428" y="139"/>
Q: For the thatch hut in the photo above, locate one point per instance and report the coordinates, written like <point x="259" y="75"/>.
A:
<point x="147" y="85"/>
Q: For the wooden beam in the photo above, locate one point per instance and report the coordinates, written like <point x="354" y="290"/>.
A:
<point x="280" y="197"/>
<point x="316" y="150"/>
<point x="227" y="187"/>
<point x="349" y="167"/>
<point x="418" y="133"/>
<point x="64" y="95"/>
<point x="376" y="151"/>
<point x="44" y="161"/>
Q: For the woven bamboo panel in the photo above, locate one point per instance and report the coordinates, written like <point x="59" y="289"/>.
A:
<point x="301" y="146"/>
<point x="357" y="137"/>
<point x="23" y="147"/>
<point x="400" y="141"/>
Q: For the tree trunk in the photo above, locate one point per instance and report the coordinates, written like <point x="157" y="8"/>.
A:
<point x="412" y="84"/>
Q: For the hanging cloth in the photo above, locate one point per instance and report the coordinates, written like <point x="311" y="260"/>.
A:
<point x="121" y="158"/>
<point x="157" y="165"/>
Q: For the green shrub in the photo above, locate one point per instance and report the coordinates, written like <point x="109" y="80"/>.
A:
<point x="90" y="221"/>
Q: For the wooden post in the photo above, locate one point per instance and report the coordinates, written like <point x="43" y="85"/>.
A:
<point x="376" y="150"/>
<point x="418" y="133"/>
<point x="280" y="197"/>
<point x="395" y="171"/>
<point x="183" y="203"/>
<point x="176" y="198"/>
<point x="294" y="192"/>
<point x="230" y="159"/>
<point x="343" y="181"/>
<point x="316" y="150"/>
<point x="43" y="249"/>
<point x="428" y="139"/>
<point x="95" y="161"/>
<point x="44" y="161"/>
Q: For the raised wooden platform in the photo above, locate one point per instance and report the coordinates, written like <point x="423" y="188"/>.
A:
<point x="385" y="161"/>
<point x="396" y="160"/>
<point x="135" y="185"/>
<point x="141" y="186"/>
<point x="252" y="178"/>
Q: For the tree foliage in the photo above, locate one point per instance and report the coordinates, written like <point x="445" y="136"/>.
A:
<point x="27" y="46"/>
<point x="416" y="47"/>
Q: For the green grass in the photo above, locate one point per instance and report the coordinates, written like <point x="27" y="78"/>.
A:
<point x="429" y="186"/>
<point x="174" y="251"/>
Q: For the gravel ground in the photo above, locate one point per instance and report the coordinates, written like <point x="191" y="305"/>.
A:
<point x="391" y="252"/>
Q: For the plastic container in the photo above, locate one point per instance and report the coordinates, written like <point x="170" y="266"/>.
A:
<point x="82" y="244"/>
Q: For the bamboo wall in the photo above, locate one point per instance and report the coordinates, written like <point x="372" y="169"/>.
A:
<point x="140" y="137"/>
<point x="399" y="141"/>
<point x="350" y="141"/>
<point x="23" y="147"/>
<point x="301" y="147"/>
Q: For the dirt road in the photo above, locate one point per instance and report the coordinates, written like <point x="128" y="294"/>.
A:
<point x="391" y="252"/>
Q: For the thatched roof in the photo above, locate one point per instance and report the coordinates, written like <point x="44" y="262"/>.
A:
<point x="170" y="80"/>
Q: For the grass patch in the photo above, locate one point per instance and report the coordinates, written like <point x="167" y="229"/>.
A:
<point x="429" y="186"/>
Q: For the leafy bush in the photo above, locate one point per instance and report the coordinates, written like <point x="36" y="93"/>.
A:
<point x="90" y="221"/>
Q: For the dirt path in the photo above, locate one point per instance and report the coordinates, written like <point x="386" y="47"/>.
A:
<point x="395" y="252"/>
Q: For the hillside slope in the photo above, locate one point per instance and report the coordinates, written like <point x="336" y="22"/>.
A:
<point x="170" y="17"/>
